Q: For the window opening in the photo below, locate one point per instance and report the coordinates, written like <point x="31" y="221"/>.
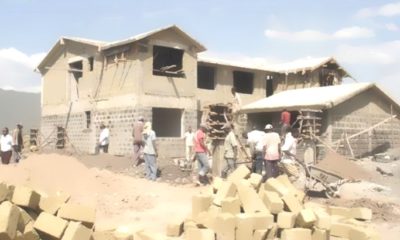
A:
<point x="205" y="77"/>
<point x="167" y="61"/>
<point x="243" y="82"/>
<point x="91" y="62"/>
<point x="167" y="122"/>
<point x="88" y="118"/>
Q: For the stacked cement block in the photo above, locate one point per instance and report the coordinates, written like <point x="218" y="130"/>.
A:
<point x="243" y="209"/>
<point x="27" y="215"/>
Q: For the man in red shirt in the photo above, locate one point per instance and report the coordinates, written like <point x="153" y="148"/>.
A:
<point x="201" y="150"/>
<point x="285" y="122"/>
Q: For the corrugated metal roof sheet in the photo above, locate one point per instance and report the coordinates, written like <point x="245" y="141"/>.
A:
<point x="312" y="98"/>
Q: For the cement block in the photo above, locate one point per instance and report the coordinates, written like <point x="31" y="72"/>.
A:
<point x="29" y="233"/>
<point x="50" y="226"/>
<point x="272" y="232"/>
<point x="9" y="215"/>
<point x="146" y="235"/>
<point x="231" y="205"/>
<point x="244" y="226"/>
<point x="227" y="189"/>
<point x="255" y="180"/>
<point x="323" y="219"/>
<point x="26" y="197"/>
<point x="339" y="211"/>
<point x="262" y="220"/>
<point x="260" y="234"/>
<point x="273" y="202"/>
<point x="76" y="231"/>
<point x="23" y="220"/>
<point x="306" y="218"/>
<point x="276" y="186"/>
<point x="320" y="234"/>
<point x="4" y="192"/>
<point x="249" y="198"/>
<point x="175" y="228"/>
<point x="359" y="233"/>
<point x="292" y="204"/>
<point x="199" y="234"/>
<point x="105" y="235"/>
<point x="208" y="219"/>
<point x="52" y="203"/>
<point x="296" y="234"/>
<point x="340" y="229"/>
<point x="189" y="223"/>
<point x="286" y="220"/>
<point x="241" y="172"/>
<point x="361" y="213"/>
<point x="225" y="225"/>
<point x="200" y="203"/>
<point x="11" y="189"/>
<point x="216" y="184"/>
<point x="79" y="213"/>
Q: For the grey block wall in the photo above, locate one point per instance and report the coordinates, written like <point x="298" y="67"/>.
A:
<point x="120" y="123"/>
<point x="362" y="112"/>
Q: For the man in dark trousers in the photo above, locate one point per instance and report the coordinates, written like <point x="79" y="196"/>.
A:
<point x="138" y="140"/>
<point x="272" y="147"/>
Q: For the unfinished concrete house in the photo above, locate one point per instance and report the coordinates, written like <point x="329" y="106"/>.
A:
<point x="158" y="75"/>
<point x="355" y="119"/>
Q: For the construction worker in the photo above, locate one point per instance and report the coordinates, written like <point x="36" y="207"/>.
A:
<point x="254" y="139"/>
<point x="104" y="139"/>
<point x="18" y="142"/>
<point x="150" y="152"/>
<point x="138" y="140"/>
<point x="285" y="122"/>
<point x="271" y="149"/>
<point x="201" y="150"/>
<point x="230" y="150"/>
<point x="6" y="143"/>
<point x="188" y="137"/>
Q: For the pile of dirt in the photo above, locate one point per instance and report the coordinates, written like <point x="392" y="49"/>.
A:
<point x="381" y="210"/>
<point x="343" y="167"/>
<point x="119" y="199"/>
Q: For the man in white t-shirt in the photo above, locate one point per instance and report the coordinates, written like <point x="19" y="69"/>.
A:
<point x="254" y="139"/>
<point x="104" y="139"/>
<point x="6" y="143"/>
<point x="188" y="137"/>
<point x="272" y="146"/>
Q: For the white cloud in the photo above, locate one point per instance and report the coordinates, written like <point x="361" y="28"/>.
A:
<point x="17" y="70"/>
<point x="386" y="53"/>
<point x="354" y="32"/>
<point x="387" y="10"/>
<point x="392" y="27"/>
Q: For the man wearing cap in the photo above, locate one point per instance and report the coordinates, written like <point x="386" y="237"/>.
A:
<point x="272" y="145"/>
<point x="137" y="140"/>
<point x="18" y="142"/>
<point x="230" y="150"/>
<point x="201" y="150"/>
<point x="150" y="152"/>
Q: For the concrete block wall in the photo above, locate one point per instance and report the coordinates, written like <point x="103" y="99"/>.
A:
<point x="362" y="112"/>
<point x="81" y="137"/>
<point x="120" y="123"/>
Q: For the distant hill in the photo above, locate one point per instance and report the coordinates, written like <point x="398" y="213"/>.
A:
<point x="19" y="107"/>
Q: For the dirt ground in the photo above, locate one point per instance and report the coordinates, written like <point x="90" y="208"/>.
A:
<point x="123" y="197"/>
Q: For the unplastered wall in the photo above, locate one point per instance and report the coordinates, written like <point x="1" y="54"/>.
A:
<point x="223" y="84"/>
<point x="56" y="78"/>
<point x="296" y="81"/>
<point x="169" y="86"/>
<point x="362" y="112"/>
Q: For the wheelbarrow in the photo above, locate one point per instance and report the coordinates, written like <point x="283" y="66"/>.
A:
<point x="330" y="181"/>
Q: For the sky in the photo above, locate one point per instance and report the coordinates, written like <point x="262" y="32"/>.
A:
<point x="363" y="35"/>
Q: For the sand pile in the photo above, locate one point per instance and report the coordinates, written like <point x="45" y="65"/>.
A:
<point x="343" y="167"/>
<point x="118" y="199"/>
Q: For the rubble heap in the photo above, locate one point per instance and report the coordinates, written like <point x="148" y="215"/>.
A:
<point x="244" y="208"/>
